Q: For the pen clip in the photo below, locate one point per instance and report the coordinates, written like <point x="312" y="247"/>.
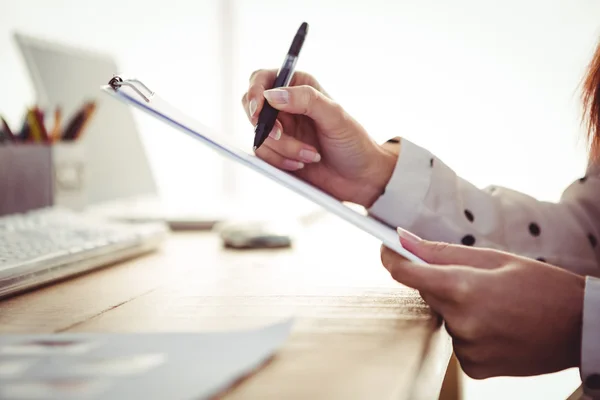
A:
<point x="116" y="82"/>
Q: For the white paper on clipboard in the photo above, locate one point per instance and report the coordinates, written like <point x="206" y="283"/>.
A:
<point x="157" y="107"/>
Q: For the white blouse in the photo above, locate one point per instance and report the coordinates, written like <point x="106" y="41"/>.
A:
<point x="426" y="197"/>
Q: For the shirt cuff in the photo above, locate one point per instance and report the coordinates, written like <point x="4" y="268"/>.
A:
<point x="590" y="341"/>
<point x="405" y="193"/>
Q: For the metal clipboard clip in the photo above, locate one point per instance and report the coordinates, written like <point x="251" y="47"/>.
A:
<point x="116" y="82"/>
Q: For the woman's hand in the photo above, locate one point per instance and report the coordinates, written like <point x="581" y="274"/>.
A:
<point x="315" y="139"/>
<point x="507" y="315"/>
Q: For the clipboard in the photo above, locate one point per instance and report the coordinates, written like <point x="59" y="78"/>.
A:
<point x="133" y="92"/>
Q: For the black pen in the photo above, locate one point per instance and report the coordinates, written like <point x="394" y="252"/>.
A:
<point x="268" y="114"/>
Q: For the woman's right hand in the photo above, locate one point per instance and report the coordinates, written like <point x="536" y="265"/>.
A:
<point x="315" y="139"/>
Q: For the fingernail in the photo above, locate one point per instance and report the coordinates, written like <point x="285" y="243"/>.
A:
<point x="291" y="164"/>
<point x="277" y="96"/>
<point x="252" y="107"/>
<point x="310" y="156"/>
<point x="408" y="236"/>
<point x="275" y="134"/>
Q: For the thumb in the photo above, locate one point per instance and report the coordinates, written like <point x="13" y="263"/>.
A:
<point x="445" y="254"/>
<point x="306" y="100"/>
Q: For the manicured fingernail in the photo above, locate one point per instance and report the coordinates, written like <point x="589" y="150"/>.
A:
<point x="277" y="96"/>
<point x="275" y="134"/>
<point x="252" y="107"/>
<point x="408" y="236"/>
<point x="310" y="156"/>
<point x="292" y="164"/>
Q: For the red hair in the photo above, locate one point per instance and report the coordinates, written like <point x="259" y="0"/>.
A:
<point x="591" y="105"/>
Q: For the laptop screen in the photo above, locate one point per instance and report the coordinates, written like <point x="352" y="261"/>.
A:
<point x="117" y="165"/>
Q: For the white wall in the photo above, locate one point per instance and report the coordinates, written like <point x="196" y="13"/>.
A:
<point x="174" y="46"/>
<point x="491" y="87"/>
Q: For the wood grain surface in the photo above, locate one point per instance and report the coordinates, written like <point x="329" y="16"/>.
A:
<point x="357" y="333"/>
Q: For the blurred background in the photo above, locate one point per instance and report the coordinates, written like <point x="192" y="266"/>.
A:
<point x="491" y="87"/>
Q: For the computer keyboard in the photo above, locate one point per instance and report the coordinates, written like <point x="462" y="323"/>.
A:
<point x="45" y="245"/>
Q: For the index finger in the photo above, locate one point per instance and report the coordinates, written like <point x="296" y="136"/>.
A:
<point x="442" y="281"/>
<point x="260" y="80"/>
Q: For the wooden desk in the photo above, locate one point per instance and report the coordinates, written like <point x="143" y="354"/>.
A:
<point x="358" y="334"/>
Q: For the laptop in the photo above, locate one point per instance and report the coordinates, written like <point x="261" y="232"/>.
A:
<point x="120" y="181"/>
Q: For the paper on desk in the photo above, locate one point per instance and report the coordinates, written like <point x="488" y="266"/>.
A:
<point x="178" y="366"/>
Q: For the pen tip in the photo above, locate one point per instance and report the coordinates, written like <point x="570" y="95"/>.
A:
<point x="303" y="28"/>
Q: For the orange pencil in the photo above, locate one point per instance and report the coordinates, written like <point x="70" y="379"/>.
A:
<point x="55" y="133"/>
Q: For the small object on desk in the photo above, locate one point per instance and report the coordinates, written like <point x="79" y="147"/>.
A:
<point x="255" y="235"/>
<point x="190" y="222"/>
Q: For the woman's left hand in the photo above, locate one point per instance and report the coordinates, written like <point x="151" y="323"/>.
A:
<point x="507" y="315"/>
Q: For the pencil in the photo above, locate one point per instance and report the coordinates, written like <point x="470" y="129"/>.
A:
<point x="34" y="126"/>
<point x="39" y="114"/>
<point x="89" y="110"/>
<point x="70" y="128"/>
<point x="55" y="133"/>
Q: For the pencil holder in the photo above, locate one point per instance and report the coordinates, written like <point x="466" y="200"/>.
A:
<point x="70" y="175"/>
<point x="26" y="181"/>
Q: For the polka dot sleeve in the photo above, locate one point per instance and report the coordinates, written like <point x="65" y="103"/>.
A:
<point x="426" y="197"/>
